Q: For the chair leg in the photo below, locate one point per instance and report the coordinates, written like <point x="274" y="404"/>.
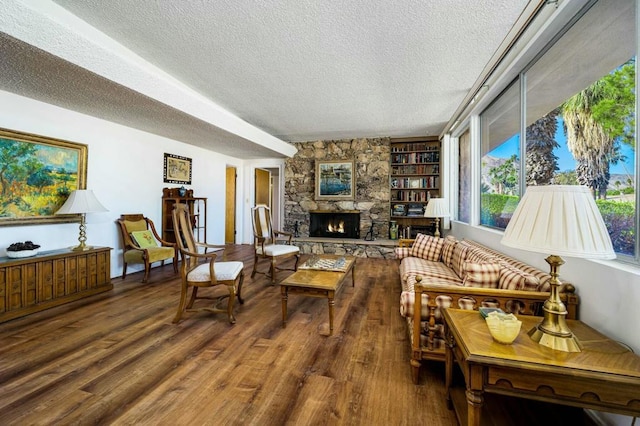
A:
<point x="124" y="270"/>
<point x="255" y="265"/>
<point x="232" y="299"/>
<point x="295" y="267"/>
<point x="183" y="298"/>
<point x="240" y="299"/>
<point x="194" y="294"/>
<point x="175" y="263"/>
<point x="147" y="269"/>
<point x="273" y="270"/>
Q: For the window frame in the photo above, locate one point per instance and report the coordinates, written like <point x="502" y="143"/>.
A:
<point x="471" y="123"/>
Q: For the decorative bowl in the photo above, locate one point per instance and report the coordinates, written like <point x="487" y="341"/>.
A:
<point x="22" y="253"/>
<point x="504" y="328"/>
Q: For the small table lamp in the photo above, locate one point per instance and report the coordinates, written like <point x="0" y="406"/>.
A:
<point x="437" y="208"/>
<point x="563" y="220"/>
<point x="81" y="201"/>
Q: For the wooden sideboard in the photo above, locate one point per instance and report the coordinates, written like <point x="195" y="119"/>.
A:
<point x="52" y="278"/>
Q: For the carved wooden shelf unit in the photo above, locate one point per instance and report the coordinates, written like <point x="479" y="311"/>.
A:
<point x="415" y="178"/>
<point x="197" y="210"/>
<point x="52" y="278"/>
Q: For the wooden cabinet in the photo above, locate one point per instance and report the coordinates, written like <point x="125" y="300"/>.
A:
<point x="197" y="210"/>
<point x="52" y="278"/>
<point x="414" y="180"/>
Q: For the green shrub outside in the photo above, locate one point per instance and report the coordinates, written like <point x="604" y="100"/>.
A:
<point x="496" y="209"/>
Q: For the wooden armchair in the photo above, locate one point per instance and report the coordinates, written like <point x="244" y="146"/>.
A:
<point x="268" y="243"/>
<point x="143" y="245"/>
<point x="197" y="274"/>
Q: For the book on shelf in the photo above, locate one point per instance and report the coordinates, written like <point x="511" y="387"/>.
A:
<point x="398" y="209"/>
<point x="415" y="209"/>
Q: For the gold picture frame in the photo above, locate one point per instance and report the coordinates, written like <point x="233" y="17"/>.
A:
<point x="37" y="174"/>
<point x="335" y="180"/>
<point x="177" y="169"/>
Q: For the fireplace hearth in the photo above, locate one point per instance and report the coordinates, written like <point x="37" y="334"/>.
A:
<point x="334" y="224"/>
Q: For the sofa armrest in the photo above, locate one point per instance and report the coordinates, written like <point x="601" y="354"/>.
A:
<point x="527" y="303"/>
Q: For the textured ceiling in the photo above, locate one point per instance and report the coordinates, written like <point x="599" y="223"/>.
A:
<point x="298" y="70"/>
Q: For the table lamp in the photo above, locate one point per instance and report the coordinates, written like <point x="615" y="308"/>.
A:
<point x="81" y="201"/>
<point x="437" y="208"/>
<point x="562" y="220"/>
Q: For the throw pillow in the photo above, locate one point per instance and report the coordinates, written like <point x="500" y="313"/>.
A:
<point x="483" y="275"/>
<point x="144" y="239"/>
<point x="515" y="279"/>
<point x="427" y="247"/>
<point x="458" y="258"/>
<point x="447" y="250"/>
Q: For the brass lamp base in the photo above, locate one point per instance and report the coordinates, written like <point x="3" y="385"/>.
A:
<point x="553" y="331"/>
<point x="559" y="343"/>
<point x="82" y="238"/>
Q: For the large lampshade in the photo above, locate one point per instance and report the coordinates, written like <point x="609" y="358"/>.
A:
<point x="437" y="208"/>
<point x="81" y="201"/>
<point x="562" y="220"/>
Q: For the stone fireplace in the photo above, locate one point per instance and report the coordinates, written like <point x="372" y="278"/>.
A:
<point x="334" y="224"/>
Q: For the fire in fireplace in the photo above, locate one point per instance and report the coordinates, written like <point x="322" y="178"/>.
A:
<point x="330" y="224"/>
<point x="336" y="227"/>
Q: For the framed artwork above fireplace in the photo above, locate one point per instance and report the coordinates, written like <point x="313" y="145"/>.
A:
<point x="335" y="180"/>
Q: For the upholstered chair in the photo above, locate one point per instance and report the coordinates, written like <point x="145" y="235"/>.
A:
<point x="143" y="245"/>
<point x="199" y="269"/>
<point x="269" y="244"/>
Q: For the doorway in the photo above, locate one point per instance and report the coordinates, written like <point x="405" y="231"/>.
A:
<point x="230" y="207"/>
<point x="267" y="191"/>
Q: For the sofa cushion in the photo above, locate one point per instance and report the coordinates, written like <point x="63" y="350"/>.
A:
<point x="431" y="272"/>
<point x="542" y="276"/>
<point x="435" y="273"/>
<point x="447" y="250"/>
<point x="477" y="255"/>
<point x="483" y="275"/>
<point x="514" y="279"/>
<point x="458" y="258"/>
<point x="427" y="247"/>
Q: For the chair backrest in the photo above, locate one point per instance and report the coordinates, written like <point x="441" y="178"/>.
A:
<point x="261" y="218"/>
<point x="182" y="227"/>
<point x="129" y="223"/>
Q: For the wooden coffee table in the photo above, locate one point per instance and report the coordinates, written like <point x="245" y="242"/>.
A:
<point x="604" y="376"/>
<point x="317" y="283"/>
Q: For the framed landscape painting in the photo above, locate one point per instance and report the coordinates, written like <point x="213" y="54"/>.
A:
<point x="177" y="169"/>
<point x="335" y="180"/>
<point x="37" y="174"/>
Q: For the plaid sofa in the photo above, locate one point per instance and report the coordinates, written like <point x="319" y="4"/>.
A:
<point x="438" y="273"/>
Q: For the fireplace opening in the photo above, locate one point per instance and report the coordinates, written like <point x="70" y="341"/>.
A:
<point x="331" y="224"/>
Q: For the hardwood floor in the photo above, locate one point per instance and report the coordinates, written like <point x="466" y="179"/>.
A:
<point x="116" y="358"/>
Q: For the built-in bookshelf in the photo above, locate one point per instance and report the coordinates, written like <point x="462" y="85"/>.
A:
<point x="415" y="178"/>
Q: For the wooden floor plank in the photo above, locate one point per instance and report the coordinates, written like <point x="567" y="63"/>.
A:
<point x="116" y="358"/>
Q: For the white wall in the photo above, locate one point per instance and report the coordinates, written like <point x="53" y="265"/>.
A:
<point x="125" y="170"/>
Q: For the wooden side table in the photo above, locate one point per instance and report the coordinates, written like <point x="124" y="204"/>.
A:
<point x="605" y="376"/>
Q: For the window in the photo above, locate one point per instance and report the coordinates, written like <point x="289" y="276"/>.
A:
<point x="580" y="109"/>
<point x="500" y="162"/>
<point x="579" y="103"/>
